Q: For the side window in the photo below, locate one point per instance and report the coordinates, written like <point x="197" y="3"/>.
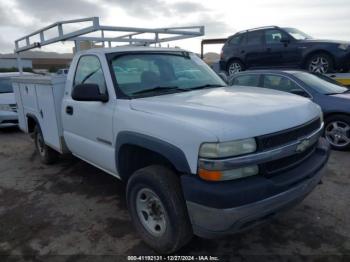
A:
<point x="254" y="38"/>
<point x="274" y="36"/>
<point x="236" y="40"/>
<point x="89" y="71"/>
<point x="246" y="80"/>
<point x="282" y="83"/>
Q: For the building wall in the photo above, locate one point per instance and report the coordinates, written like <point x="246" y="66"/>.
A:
<point x="12" y="62"/>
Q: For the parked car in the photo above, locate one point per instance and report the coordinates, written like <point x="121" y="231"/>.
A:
<point x="8" y="108"/>
<point x="276" y="47"/>
<point x="332" y="97"/>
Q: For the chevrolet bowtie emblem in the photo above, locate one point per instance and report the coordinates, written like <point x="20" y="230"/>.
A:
<point x="303" y="145"/>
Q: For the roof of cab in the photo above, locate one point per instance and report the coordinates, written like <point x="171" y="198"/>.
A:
<point x="129" y="49"/>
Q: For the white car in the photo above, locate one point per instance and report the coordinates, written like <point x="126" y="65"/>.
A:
<point x="8" y="108"/>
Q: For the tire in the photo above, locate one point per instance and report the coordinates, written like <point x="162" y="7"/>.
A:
<point x="337" y="132"/>
<point x="173" y="229"/>
<point x="321" y="63"/>
<point x="235" y="66"/>
<point x="47" y="155"/>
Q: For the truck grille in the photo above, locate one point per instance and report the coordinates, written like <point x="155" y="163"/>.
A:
<point x="272" y="168"/>
<point x="277" y="139"/>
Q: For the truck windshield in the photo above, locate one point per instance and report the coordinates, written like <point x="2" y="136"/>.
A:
<point x="5" y="86"/>
<point x="151" y="74"/>
<point x="297" y="34"/>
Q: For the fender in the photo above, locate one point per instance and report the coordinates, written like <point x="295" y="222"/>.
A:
<point x="175" y="155"/>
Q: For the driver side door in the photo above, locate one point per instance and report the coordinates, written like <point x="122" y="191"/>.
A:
<point x="88" y="125"/>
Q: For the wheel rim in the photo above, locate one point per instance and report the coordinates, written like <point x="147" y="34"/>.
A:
<point x="151" y="212"/>
<point x="234" y="68"/>
<point x="40" y="144"/>
<point x="338" y="133"/>
<point x="319" y="64"/>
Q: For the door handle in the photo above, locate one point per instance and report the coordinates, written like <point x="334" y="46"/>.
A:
<point x="69" y="110"/>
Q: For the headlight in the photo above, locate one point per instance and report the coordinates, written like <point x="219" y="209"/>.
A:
<point x="228" y="174"/>
<point x="5" y="107"/>
<point x="227" y="149"/>
<point x="343" y="46"/>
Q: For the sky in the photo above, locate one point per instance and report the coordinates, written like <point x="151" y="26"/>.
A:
<point x="319" y="18"/>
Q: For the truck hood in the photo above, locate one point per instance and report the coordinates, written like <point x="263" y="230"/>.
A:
<point x="7" y="98"/>
<point x="232" y="112"/>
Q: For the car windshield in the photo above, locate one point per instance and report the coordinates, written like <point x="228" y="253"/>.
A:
<point x="297" y="34"/>
<point x="320" y="85"/>
<point x="5" y="85"/>
<point x="150" y="74"/>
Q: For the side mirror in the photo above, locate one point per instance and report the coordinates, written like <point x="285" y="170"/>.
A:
<point x="223" y="76"/>
<point x="285" y="40"/>
<point x="88" y="92"/>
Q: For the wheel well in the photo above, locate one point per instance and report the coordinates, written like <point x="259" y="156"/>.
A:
<point x="31" y="123"/>
<point x="234" y="59"/>
<point x="317" y="52"/>
<point x="132" y="158"/>
<point x="335" y="114"/>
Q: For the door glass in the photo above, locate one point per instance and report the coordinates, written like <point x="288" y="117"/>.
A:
<point x="89" y="71"/>
<point x="273" y="36"/>
<point x="246" y="80"/>
<point x="282" y="83"/>
<point x="254" y="38"/>
<point x="5" y="86"/>
<point x="236" y="40"/>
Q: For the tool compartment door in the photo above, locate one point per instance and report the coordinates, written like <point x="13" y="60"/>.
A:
<point x="47" y="116"/>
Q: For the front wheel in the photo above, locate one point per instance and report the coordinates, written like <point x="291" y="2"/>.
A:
<point x="47" y="155"/>
<point x="158" y="210"/>
<point x="337" y="132"/>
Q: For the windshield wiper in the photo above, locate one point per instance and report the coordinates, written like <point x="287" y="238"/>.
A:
<point x="159" y="88"/>
<point x="204" y="86"/>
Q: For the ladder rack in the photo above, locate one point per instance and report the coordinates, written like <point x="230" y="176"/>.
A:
<point x="133" y="36"/>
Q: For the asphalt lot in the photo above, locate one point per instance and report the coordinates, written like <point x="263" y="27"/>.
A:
<point x="71" y="211"/>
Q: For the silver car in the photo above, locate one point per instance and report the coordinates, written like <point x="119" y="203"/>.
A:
<point x="8" y="107"/>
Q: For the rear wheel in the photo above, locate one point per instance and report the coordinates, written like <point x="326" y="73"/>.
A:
<point x="337" y="132"/>
<point x="234" y="67"/>
<point x="47" y="154"/>
<point x="158" y="210"/>
<point x="321" y="63"/>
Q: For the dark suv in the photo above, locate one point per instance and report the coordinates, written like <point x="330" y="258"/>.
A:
<point x="272" y="47"/>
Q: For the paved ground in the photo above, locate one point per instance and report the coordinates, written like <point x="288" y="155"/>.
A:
<point x="72" y="208"/>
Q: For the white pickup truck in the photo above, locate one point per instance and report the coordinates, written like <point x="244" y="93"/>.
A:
<point x="198" y="157"/>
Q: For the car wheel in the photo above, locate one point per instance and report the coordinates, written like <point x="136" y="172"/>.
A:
<point x="337" y="132"/>
<point x="234" y="67"/>
<point x="47" y="155"/>
<point x="158" y="210"/>
<point x="320" y="63"/>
